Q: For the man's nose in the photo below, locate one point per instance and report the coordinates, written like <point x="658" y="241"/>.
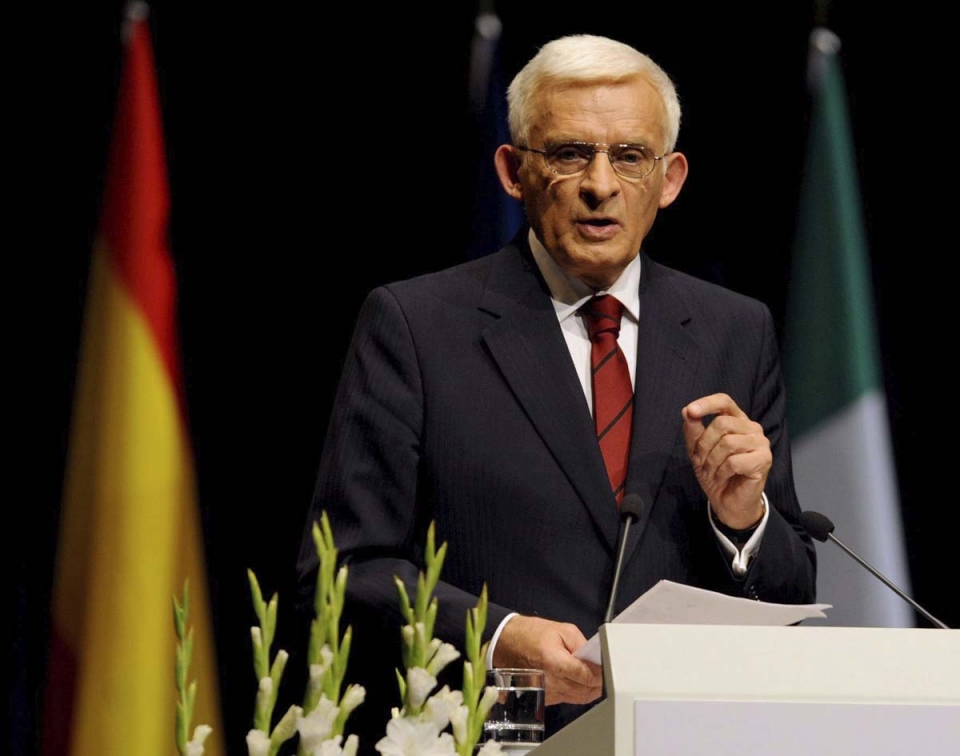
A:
<point x="599" y="180"/>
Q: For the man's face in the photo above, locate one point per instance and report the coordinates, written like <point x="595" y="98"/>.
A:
<point x="592" y="223"/>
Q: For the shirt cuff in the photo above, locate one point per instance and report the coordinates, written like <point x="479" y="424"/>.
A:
<point x="740" y="557"/>
<point x="496" y="637"/>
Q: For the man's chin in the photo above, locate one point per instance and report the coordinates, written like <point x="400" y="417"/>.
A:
<point x="599" y="271"/>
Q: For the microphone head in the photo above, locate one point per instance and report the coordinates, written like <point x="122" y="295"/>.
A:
<point x="817" y="525"/>
<point x="631" y="506"/>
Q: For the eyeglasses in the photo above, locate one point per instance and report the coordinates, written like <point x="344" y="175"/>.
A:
<point x="631" y="161"/>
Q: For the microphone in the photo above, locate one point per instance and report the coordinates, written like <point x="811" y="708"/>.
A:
<point x="630" y="509"/>
<point x="819" y="527"/>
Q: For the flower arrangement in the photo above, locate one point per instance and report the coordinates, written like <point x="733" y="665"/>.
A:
<point x="261" y="740"/>
<point x="419" y="727"/>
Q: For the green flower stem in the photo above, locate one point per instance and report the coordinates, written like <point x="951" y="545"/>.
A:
<point x="329" y="598"/>
<point x="474" y="698"/>
<point x="286" y="728"/>
<point x="419" y="646"/>
<point x="329" y="651"/>
<point x="187" y="693"/>
<point x="268" y="675"/>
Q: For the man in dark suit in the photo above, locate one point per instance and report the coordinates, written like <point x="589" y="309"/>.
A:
<point x="472" y="397"/>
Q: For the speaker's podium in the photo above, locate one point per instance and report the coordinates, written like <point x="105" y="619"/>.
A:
<point x="711" y="690"/>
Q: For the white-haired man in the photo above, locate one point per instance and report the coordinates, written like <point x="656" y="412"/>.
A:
<point x="516" y="399"/>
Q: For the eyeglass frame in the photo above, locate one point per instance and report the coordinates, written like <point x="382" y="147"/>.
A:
<point x="594" y="146"/>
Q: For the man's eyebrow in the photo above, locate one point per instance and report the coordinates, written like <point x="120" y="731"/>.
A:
<point x="563" y="139"/>
<point x="571" y="140"/>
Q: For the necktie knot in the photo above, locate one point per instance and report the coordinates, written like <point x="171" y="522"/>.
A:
<point x="603" y="315"/>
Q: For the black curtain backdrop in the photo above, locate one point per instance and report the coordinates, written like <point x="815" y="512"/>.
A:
<point x="315" y="153"/>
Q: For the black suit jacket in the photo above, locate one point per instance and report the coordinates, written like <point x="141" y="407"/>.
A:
<point x="459" y="403"/>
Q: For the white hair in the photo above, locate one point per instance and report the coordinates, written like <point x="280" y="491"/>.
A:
<point x="585" y="58"/>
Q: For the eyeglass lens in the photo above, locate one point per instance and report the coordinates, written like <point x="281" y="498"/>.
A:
<point x="632" y="160"/>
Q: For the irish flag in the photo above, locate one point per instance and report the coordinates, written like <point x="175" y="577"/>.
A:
<point x="842" y="454"/>
<point x="130" y="530"/>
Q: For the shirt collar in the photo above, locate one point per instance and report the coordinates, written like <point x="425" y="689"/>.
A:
<point x="569" y="293"/>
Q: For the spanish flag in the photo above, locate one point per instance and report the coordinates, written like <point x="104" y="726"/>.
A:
<point x="130" y="530"/>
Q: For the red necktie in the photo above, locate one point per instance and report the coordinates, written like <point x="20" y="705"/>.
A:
<point x="612" y="390"/>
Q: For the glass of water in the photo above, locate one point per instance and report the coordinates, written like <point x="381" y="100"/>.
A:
<point x="517" y="715"/>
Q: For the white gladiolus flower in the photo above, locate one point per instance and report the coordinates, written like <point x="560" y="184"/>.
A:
<point x="353" y="696"/>
<point x="327" y="748"/>
<point x="350" y="748"/>
<point x="445" y="653"/>
<point x="315" y="682"/>
<point x="332" y="747"/>
<point x="410" y="737"/>
<point x="287" y="725"/>
<point x="318" y="671"/>
<point x="326" y="658"/>
<point x="441" y="705"/>
<point x="326" y="655"/>
<point x="458" y="718"/>
<point x="419" y="684"/>
<point x="317" y="726"/>
<point x="258" y="743"/>
<point x="195" y="746"/>
<point x="264" y="692"/>
<point x="257" y="639"/>
<point x="490" y="748"/>
<point x="488" y="699"/>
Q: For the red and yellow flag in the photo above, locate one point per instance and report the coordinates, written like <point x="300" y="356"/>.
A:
<point x="130" y="529"/>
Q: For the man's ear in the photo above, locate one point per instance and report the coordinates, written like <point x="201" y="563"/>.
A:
<point x="675" y="175"/>
<point x="507" y="162"/>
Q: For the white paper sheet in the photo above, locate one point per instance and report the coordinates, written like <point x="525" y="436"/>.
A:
<point x="669" y="603"/>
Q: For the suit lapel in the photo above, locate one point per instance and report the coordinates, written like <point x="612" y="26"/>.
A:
<point x="666" y="366"/>
<point x="528" y="346"/>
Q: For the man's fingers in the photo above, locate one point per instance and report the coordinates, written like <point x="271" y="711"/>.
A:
<point x="715" y="404"/>
<point x="529" y="641"/>
<point x="733" y="437"/>
<point x="752" y="465"/>
<point x="559" y="693"/>
<point x="572" y="680"/>
<point x="543" y="644"/>
<point x="584" y="686"/>
<point x="692" y="430"/>
<point x="576" y="671"/>
<point x="731" y="457"/>
<point x="705" y="420"/>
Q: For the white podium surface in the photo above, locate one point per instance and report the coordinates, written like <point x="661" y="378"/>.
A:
<point x="687" y="690"/>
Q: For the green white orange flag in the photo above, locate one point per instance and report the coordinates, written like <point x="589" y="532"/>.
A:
<point x="842" y="455"/>
<point x="130" y="531"/>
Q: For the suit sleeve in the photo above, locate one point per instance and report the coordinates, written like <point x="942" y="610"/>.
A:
<point x="368" y="476"/>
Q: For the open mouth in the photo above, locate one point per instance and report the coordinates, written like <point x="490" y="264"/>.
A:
<point x="598" y="229"/>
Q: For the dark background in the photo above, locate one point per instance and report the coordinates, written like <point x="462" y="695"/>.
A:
<point x="311" y="151"/>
